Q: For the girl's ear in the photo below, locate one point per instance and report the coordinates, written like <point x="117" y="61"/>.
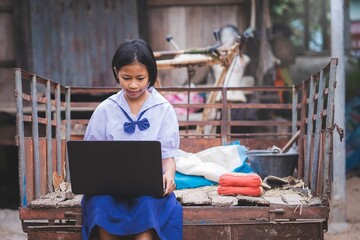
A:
<point x="115" y="72"/>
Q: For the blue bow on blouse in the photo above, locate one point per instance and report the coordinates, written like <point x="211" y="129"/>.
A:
<point x="129" y="127"/>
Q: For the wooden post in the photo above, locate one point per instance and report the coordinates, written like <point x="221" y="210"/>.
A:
<point x="338" y="213"/>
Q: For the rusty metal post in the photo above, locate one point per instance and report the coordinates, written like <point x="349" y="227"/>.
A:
<point x="318" y="124"/>
<point x="20" y="136"/>
<point x="224" y="113"/>
<point x="338" y="211"/>
<point x="309" y="130"/>
<point x="35" y="136"/>
<point x="58" y="127"/>
<point x="49" y="161"/>
<point x="68" y="127"/>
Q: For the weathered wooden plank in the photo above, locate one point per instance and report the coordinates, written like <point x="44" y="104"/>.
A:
<point x="304" y="96"/>
<point x="179" y="195"/>
<point x="224" y="201"/>
<point x="70" y="203"/>
<point x="221" y="201"/>
<point x="49" y="200"/>
<point x="196" y="198"/>
<point x="275" y="200"/>
<point x="292" y="199"/>
<point x="315" y="201"/>
<point x="320" y="180"/>
<point x="309" y="131"/>
<point x="318" y="128"/>
<point x="311" y="157"/>
<point x="253" y="201"/>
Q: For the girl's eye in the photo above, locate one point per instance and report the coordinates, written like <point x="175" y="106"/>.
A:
<point x="141" y="78"/>
<point x="126" y="78"/>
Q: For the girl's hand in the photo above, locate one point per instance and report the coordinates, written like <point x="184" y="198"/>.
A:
<point x="168" y="183"/>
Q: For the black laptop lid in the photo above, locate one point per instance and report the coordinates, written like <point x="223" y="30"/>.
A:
<point x="119" y="168"/>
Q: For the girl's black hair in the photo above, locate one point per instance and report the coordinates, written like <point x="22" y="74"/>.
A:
<point x="132" y="51"/>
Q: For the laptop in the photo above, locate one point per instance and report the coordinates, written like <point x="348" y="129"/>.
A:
<point x="118" y="168"/>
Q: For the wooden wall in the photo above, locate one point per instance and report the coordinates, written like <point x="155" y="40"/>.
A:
<point x="73" y="42"/>
<point x="191" y="23"/>
<point x="7" y="54"/>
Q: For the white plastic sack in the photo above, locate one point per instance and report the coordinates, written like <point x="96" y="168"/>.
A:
<point x="210" y="163"/>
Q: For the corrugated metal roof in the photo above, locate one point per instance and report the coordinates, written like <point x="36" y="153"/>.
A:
<point x="73" y="41"/>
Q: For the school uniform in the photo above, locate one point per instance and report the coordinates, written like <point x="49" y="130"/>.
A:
<point x="112" y="120"/>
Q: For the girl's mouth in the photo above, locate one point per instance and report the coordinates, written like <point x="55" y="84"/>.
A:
<point x="133" y="93"/>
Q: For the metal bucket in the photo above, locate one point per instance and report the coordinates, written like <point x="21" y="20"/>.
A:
<point x="276" y="164"/>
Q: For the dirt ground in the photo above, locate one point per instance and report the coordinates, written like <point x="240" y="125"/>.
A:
<point x="352" y="211"/>
<point x="10" y="227"/>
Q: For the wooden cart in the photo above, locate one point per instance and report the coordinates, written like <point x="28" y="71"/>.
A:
<point x="49" y="114"/>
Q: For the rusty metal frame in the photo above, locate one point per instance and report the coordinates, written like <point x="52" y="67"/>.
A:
<point x="316" y="129"/>
<point x="304" y="96"/>
<point x="195" y="219"/>
<point x="50" y="106"/>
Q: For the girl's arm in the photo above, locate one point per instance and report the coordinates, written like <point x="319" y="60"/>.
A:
<point x="169" y="175"/>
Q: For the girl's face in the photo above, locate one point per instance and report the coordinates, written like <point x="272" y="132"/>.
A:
<point x="134" y="80"/>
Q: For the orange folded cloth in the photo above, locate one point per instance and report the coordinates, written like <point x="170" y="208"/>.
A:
<point x="247" y="191"/>
<point x="240" y="180"/>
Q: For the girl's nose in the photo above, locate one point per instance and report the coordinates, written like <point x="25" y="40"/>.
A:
<point x="133" y="85"/>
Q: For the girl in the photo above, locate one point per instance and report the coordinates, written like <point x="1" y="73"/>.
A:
<point x="137" y="112"/>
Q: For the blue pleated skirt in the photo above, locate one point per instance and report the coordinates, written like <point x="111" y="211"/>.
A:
<point x="128" y="216"/>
